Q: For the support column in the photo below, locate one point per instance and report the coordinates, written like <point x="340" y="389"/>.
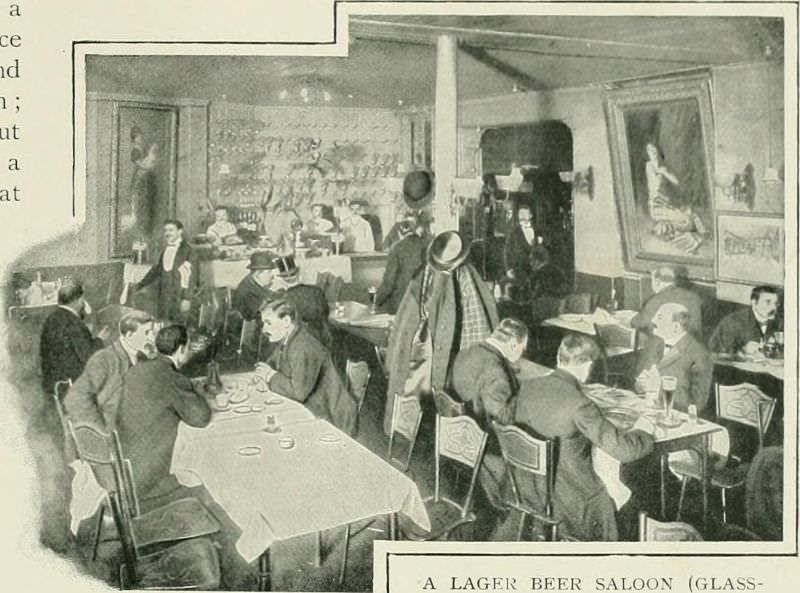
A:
<point x="445" y="131"/>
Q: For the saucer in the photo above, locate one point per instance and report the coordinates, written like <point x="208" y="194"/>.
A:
<point x="249" y="451"/>
<point x="219" y="408"/>
<point x="671" y="422"/>
<point x="242" y="409"/>
<point x="274" y="402"/>
<point x="273" y="430"/>
<point x="239" y="397"/>
<point x="256" y="408"/>
<point x="329" y="437"/>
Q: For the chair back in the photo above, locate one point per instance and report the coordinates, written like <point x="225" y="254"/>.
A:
<point x="331" y="285"/>
<point x="358" y="375"/>
<point x="459" y="439"/>
<point x="613" y="335"/>
<point x="447" y="406"/>
<point x="651" y="530"/>
<point x="745" y="404"/>
<point x="528" y="458"/>
<point x="580" y="303"/>
<point x="406" y="418"/>
<point x="380" y="355"/>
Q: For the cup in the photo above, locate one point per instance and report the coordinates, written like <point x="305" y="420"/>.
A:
<point x="221" y="399"/>
<point x="668" y="386"/>
<point x="286" y="442"/>
<point x="272" y="425"/>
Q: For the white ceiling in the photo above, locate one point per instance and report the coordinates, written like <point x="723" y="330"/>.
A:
<point x="393" y="59"/>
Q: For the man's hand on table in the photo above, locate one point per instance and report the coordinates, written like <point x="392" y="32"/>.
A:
<point x="265" y="371"/>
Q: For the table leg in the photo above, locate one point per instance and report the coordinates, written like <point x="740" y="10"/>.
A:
<point x="264" y="572"/>
<point x="393" y="526"/>
<point x="705" y="474"/>
<point x="317" y="549"/>
<point x="663" y="488"/>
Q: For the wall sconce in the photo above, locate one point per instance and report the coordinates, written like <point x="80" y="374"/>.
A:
<point x="583" y="182"/>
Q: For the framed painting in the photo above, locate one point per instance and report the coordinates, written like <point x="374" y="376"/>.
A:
<point x="143" y="164"/>
<point x="660" y="137"/>
<point x="750" y="248"/>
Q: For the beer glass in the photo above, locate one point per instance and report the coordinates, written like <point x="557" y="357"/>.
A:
<point x="372" y="292"/>
<point x="668" y="386"/>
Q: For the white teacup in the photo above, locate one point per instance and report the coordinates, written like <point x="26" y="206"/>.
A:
<point x="221" y="399"/>
<point x="286" y="442"/>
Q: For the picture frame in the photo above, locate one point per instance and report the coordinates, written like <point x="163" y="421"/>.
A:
<point x="143" y="173"/>
<point x="660" y="139"/>
<point x="750" y="248"/>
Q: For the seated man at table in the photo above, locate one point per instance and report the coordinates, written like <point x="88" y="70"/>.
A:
<point x="743" y="331"/>
<point x="301" y="368"/>
<point x="221" y="228"/>
<point x="555" y="407"/>
<point x="308" y="300"/>
<point x="484" y="378"/>
<point x="156" y="397"/>
<point x="94" y="397"/>
<point x="66" y="343"/>
<point x="680" y="355"/>
<point x="358" y="237"/>
<point x="256" y="287"/>
<point x="405" y="258"/>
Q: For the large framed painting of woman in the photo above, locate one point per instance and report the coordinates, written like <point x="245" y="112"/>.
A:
<point x="660" y="135"/>
<point x="143" y="166"/>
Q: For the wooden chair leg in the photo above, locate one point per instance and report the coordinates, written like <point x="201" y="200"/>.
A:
<point x="724" y="507"/>
<point x="343" y="568"/>
<point x="318" y="549"/>
<point x="684" y="482"/>
<point x="98" y="532"/>
<point x="521" y="526"/>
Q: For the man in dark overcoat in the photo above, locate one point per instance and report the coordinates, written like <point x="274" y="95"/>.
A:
<point x="404" y="259"/>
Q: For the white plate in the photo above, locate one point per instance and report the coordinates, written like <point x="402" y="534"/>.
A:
<point x="329" y="437"/>
<point x="239" y="397"/>
<point x="242" y="409"/>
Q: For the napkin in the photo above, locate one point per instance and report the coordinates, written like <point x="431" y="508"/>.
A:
<point x="87" y="494"/>
<point x="379" y="320"/>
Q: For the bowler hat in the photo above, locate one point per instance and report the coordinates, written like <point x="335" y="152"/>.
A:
<point x="447" y="251"/>
<point x="261" y="260"/>
<point x="286" y="266"/>
<point x="418" y="189"/>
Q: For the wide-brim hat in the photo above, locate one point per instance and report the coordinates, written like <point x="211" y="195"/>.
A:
<point x="418" y="189"/>
<point x="286" y="266"/>
<point x="447" y="251"/>
<point x="261" y="260"/>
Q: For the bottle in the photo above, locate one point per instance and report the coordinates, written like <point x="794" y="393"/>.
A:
<point x="693" y="414"/>
<point x="213" y="383"/>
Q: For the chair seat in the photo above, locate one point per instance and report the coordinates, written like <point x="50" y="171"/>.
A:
<point x="189" y="564"/>
<point x="444" y="516"/>
<point x="729" y="476"/>
<point x="182" y="519"/>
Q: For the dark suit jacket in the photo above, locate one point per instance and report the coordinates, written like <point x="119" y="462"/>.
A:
<point x="738" y="328"/>
<point x="483" y="377"/>
<point x="64" y="347"/>
<point x="312" y="309"/>
<point x="249" y="296"/>
<point x="690" y="362"/>
<point x="168" y="291"/>
<point x="94" y="396"/>
<point x="555" y="407"/>
<point x="404" y="260"/>
<point x="305" y="373"/>
<point x="517" y="253"/>
<point x="155" y="399"/>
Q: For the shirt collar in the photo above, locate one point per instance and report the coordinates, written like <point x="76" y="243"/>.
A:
<point x="172" y="360"/>
<point x="759" y="319"/>
<point x="674" y="339"/>
<point x="70" y="309"/>
<point x="175" y="245"/>
<point x="132" y="354"/>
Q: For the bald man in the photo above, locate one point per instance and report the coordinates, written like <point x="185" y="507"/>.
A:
<point x="680" y="355"/>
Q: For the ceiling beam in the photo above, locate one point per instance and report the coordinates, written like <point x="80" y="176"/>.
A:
<point x="556" y="45"/>
<point x="527" y="81"/>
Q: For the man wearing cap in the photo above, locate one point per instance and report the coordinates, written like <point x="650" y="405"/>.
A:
<point x="405" y="258"/>
<point x="256" y="287"/>
<point x="174" y="275"/>
<point x="308" y="300"/>
<point x="447" y="308"/>
<point x="318" y="223"/>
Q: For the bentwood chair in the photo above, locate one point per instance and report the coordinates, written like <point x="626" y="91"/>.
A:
<point x="446" y="405"/>
<point x="460" y="445"/>
<point x="531" y="461"/>
<point x="180" y="520"/>
<point x="651" y="530"/>
<point x="358" y="376"/>
<point x="59" y="393"/>
<point x="616" y="341"/>
<point x="743" y="404"/>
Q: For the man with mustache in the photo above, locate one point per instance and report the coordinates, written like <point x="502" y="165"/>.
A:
<point x="743" y="331"/>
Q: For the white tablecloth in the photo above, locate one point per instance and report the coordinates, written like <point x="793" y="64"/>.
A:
<point x="584" y="324"/>
<point x="771" y="367"/>
<point x="223" y="273"/>
<point x="326" y="480"/>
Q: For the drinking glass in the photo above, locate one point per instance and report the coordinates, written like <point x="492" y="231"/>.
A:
<point x="372" y="292"/>
<point x="668" y="386"/>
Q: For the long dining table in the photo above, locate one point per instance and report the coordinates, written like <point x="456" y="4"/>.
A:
<point x="278" y="471"/>
<point x="623" y="407"/>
